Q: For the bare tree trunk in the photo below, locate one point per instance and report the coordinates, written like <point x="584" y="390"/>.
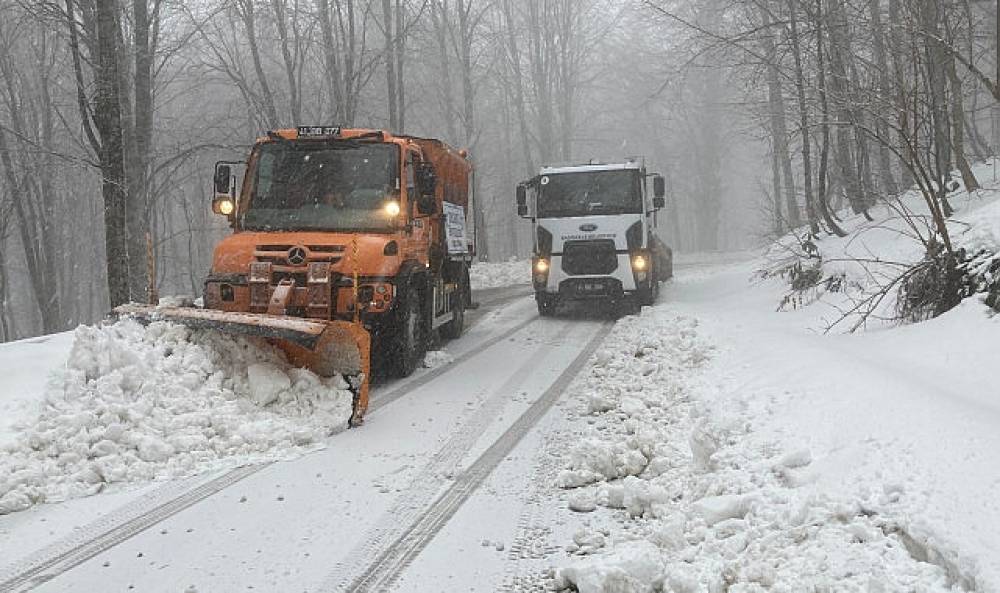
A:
<point x="958" y="119"/>
<point x="466" y="30"/>
<point x="442" y="27"/>
<point x="882" y="91"/>
<point x="803" y="118"/>
<point x="138" y="208"/>
<point x="930" y="17"/>
<point x="839" y="88"/>
<point x="821" y="185"/>
<point x="541" y="81"/>
<point x="399" y="51"/>
<point x="34" y="252"/>
<point x="776" y="105"/>
<point x="567" y="75"/>
<point x="107" y="116"/>
<point x="779" y="220"/>
<point x="508" y="172"/>
<point x="5" y="327"/>
<point x="900" y="95"/>
<point x="290" y="60"/>
<point x="246" y="11"/>
<point x="388" y="58"/>
<point x="330" y="61"/>
<point x="515" y="62"/>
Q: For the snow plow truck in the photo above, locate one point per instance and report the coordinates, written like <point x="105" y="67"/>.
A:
<point x="346" y="243"/>
<point x="595" y="234"/>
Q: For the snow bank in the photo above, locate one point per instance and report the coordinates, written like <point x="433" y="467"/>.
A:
<point x="27" y="365"/>
<point x="713" y="507"/>
<point x="499" y="274"/>
<point x="140" y="403"/>
<point x="844" y="272"/>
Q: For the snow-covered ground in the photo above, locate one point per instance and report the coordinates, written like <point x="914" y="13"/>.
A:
<point x="710" y="444"/>
<point x="497" y="274"/>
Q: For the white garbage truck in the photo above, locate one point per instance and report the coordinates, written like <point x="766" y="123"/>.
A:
<point x="595" y="234"/>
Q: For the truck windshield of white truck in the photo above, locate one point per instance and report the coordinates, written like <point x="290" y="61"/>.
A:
<point x="588" y="193"/>
<point x="324" y="187"/>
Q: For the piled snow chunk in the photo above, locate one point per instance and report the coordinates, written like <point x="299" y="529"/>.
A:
<point x="437" y="358"/>
<point x="138" y="403"/>
<point x="266" y="382"/>
<point x="716" y="509"/>
<point x="631" y="567"/>
<point x="593" y="460"/>
<point x="499" y="274"/>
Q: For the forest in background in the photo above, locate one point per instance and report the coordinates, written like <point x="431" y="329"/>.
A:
<point x="764" y="115"/>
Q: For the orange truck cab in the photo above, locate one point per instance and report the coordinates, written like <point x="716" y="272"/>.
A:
<point x="348" y="224"/>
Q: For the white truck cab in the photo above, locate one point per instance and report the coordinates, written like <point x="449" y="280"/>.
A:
<point x="594" y="234"/>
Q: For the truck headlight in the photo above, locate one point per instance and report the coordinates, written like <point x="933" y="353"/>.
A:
<point x="392" y="208"/>
<point x="639" y="263"/>
<point x="540" y="273"/>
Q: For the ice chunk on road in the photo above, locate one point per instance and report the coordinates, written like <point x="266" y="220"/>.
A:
<point x="631" y="567"/>
<point x="266" y="382"/>
<point x="641" y="495"/>
<point x="716" y="509"/>
<point x="582" y="502"/>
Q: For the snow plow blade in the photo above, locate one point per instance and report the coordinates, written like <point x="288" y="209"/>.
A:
<point x="325" y="347"/>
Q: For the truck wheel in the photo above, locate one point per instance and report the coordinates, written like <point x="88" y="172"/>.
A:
<point x="408" y="339"/>
<point x="453" y="329"/>
<point x="546" y="306"/>
<point x="647" y="296"/>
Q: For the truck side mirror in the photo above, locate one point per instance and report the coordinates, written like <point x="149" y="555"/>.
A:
<point x="427" y="204"/>
<point x="223" y="175"/>
<point x="522" y="201"/>
<point x="224" y="202"/>
<point x="425" y="179"/>
<point x="658" y="202"/>
<point x="659" y="188"/>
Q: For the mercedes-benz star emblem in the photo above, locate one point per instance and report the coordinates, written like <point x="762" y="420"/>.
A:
<point x="297" y="256"/>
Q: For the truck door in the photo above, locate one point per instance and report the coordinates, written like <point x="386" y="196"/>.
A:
<point x="423" y="227"/>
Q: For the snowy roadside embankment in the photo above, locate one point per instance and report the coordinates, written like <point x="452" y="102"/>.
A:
<point x="484" y="275"/>
<point x="140" y="403"/>
<point x="682" y="495"/>
<point x="858" y="277"/>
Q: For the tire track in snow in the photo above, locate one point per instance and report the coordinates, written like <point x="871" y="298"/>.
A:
<point x="533" y="542"/>
<point x="136" y="516"/>
<point x="433" y="477"/>
<point x="392" y="557"/>
<point x="113" y="529"/>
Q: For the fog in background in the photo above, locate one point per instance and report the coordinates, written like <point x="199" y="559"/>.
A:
<point x="519" y="83"/>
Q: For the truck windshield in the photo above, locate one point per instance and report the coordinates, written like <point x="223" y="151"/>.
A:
<point x="590" y="192"/>
<point x="323" y="187"/>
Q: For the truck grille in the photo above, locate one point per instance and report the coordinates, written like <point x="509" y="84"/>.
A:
<point x="582" y="258"/>
<point x="278" y="254"/>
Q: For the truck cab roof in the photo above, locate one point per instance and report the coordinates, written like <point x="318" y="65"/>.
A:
<point x="589" y="168"/>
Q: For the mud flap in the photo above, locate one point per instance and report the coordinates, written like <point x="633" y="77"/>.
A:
<point x="327" y="348"/>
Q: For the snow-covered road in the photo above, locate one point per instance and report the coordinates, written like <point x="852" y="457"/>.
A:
<point x="709" y="444"/>
<point x="284" y="526"/>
